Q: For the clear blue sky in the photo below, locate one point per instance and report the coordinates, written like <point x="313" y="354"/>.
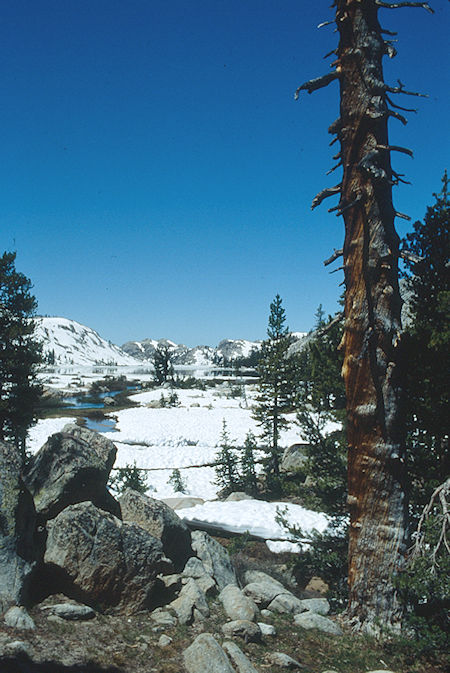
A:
<point x="156" y="173"/>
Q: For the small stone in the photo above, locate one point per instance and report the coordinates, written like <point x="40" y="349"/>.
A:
<point x="206" y="656"/>
<point x="242" y="628"/>
<point x="287" y="603"/>
<point x="238" y="658"/>
<point x="267" y="629"/>
<point x="19" y="648"/>
<point x="18" y="618"/>
<point x="163" y="618"/>
<point x="318" y="605"/>
<point x="164" y="640"/>
<point x="71" y="612"/>
<point x="237" y="605"/>
<point x="55" y="619"/>
<point x="284" y="660"/>
<point x="266" y="613"/>
<point x="311" y="620"/>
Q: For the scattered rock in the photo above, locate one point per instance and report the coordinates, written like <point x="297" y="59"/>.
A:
<point x="266" y="613"/>
<point x="293" y="458"/>
<point x="163" y="618"/>
<point x="17" y="522"/>
<point x="259" y="576"/>
<point x="238" y="658"/>
<point x="194" y="568"/>
<point x="242" y="628"/>
<point x="71" y="612"/>
<point x="164" y="640"/>
<point x="73" y="466"/>
<point x="19" y="648"/>
<point x="311" y="620"/>
<point x="237" y="605"/>
<point x="287" y="603"/>
<point x="183" y="503"/>
<point x="267" y="629"/>
<point x="284" y="660"/>
<point x="109" y="401"/>
<point x="262" y="593"/>
<point x="102" y="561"/>
<point x="319" y="605"/>
<point x="215" y="559"/>
<point x="237" y="496"/>
<point x="190" y="604"/>
<point x="206" y="656"/>
<point x="160" y="521"/>
<point x="18" y="618"/>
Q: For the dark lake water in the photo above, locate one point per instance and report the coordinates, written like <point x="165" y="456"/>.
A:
<point x="100" y="424"/>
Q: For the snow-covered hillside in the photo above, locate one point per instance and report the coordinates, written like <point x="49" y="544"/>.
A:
<point x="67" y="342"/>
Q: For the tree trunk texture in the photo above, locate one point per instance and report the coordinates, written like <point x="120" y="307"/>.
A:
<point x="377" y="503"/>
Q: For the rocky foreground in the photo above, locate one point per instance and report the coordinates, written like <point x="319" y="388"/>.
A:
<point x="91" y="584"/>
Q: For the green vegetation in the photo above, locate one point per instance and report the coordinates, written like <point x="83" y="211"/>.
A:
<point x="129" y="476"/>
<point x="177" y="482"/>
<point x="20" y="354"/>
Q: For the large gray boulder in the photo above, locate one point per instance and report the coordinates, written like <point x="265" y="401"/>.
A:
<point x="99" y="560"/>
<point x="294" y="458"/>
<point x="17" y="524"/>
<point x="160" y="521"/>
<point x="73" y="466"/>
<point x="215" y="558"/>
<point x="240" y="661"/>
<point x="311" y="620"/>
<point x="206" y="656"/>
<point x="237" y="605"/>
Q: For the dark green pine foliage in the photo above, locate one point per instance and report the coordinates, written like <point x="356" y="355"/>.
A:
<point x="227" y="473"/>
<point x="427" y="351"/>
<point x="275" y="386"/>
<point x="321" y="398"/>
<point x="20" y="354"/>
<point x="249" y="480"/>
<point x="162" y="364"/>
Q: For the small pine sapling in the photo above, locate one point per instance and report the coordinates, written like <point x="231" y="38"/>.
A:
<point x="129" y="476"/>
<point x="227" y="475"/>
<point x="177" y="482"/>
<point x="249" y="479"/>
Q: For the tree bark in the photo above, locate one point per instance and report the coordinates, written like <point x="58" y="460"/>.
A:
<point x="376" y="451"/>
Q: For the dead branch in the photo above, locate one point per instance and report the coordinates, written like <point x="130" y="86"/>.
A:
<point x="325" y="23"/>
<point x="336" y="254"/>
<point x="398" y="178"/>
<point x="324" y="194"/>
<point x="334" y="168"/>
<point x="410" y="256"/>
<point x="420" y="546"/>
<point x="399" y="107"/>
<point x="396" y="148"/>
<point x="343" y="209"/>
<point x="400" y="89"/>
<point x="397" y="115"/>
<point x="398" y="5"/>
<point x="339" y="268"/>
<point x="402" y="216"/>
<point x="317" y="83"/>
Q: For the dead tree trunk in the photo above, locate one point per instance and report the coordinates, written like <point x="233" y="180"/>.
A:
<point x="376" y="451"/>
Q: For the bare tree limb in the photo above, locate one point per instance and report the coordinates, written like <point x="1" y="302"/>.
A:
<point x="336" y="254"/>
<point x="397" y="115"/>
<point x="400" y="89"/>
<point x="402" y="216"/>
<point x="399" y="107"/>
<point x="317" y="83"/>
<point x="398" y="5"/>
<point x="339" y="268"/>
<point x="334" y="168"/>
<point x="337" y="318"/>
<point x="324" y="194"/>
<point x="396" y="148"/>
<point x="420" y="546"/>
<point x="410" y="256"/>
<point x="342" y="209"/>
<point x="398" y="178"/>
<point x="325" y="23"/>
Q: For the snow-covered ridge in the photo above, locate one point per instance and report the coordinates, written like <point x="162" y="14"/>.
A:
<point x="67" y="342"/>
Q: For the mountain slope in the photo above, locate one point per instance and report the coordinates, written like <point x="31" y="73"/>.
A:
<point x="67" y="342"/>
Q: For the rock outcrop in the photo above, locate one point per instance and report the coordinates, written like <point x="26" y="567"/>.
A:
<point x="160" y="521"/>
<point x="102" y="561"/>
<point x="215" y="558"/>
<point x="73" y="466"/>
<point x="17" y="525"/>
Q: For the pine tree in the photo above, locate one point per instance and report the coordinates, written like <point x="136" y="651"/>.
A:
<point x="20" y="354"/>
<point x="177" y="482"/>
<point x="162" y="364"/>
<point x="427" y="350"/>
<point x="275" y="385"/>
<point x="249" y="479"/>
<point x="227" y="475"/>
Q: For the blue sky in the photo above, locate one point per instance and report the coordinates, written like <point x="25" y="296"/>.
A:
<point x="157" y="173"/>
